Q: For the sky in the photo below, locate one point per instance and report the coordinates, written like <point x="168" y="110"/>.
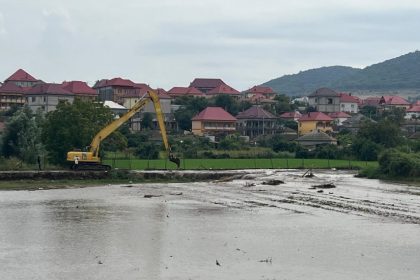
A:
<point x="167" y="43"/>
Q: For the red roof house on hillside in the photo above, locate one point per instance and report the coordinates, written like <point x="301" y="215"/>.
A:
<point x="349" y="103"/>
<point x="260" y="90"/>
<point x="112" y="89"/>
<point x="314" y="121"/>
<point x="11" y="95"/>
<point x="80" y="90"/>
<point x="339" y="117"/>
<point x="205" y="85"/>
<point x="213" y="121"/>
<point x="294" y="116"/>
<point x="224" y="89"/>
<point x="256" y="121"/>
<point x="47" y="96"/>
<point x="185" y="91"/>
<point x="371" y="101"/>
<point x="22" y="78"/>
<point x="394" y="101"/>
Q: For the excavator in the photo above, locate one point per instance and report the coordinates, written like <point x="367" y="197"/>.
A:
<point x="90" y="160"/>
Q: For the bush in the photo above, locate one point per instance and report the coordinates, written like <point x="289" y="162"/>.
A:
<point x="399" y="164"/>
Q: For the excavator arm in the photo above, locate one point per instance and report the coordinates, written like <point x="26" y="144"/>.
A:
<point x="92" y="156"/>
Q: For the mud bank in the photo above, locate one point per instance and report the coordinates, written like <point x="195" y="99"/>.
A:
<point x="117" y="174"/>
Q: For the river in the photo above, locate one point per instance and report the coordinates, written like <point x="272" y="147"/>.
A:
<point x="233" y="229"/>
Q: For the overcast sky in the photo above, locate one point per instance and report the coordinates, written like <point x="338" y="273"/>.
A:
<point x="168" y="43"/>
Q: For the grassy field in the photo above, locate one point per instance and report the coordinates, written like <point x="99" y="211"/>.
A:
<point x="141" y="164"/>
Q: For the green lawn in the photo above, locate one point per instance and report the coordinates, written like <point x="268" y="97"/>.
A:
<point x="142" y="164"/>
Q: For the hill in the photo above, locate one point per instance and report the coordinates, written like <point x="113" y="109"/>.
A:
<point x="401" y="73"/>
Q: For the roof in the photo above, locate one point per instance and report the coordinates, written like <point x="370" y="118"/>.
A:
<point x="113" y="105"/>
<point x="347" y="98"/>
<point x="393" y="100"/>
<point x="315" y="116"/>
<point x="255" y="112"/>
<point x="356" y="120"/>
<point x="179" y="91"/>
<point x="206" y="83"/>
<point x="260" y="90"/>
<point x="371" y="101"/>
<point x="316" y="136"/>
<point x="163" y="94"/>
<point x="414" y="109"/>
<point x="21" y="76"/>
<point x="214" y="114"/>
<point x="324" y="92"/>
<point x="79" y="87"/>
<point x="120" y="82"/>
<point x="223" y="89"/>
<point x="336" y="115"/>
<point x="11" y="87"/>
<point x="48" y="88"/>
<point x="291" y="115"/>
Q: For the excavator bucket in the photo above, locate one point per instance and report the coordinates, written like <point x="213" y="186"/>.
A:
<point x="175" y="160"/>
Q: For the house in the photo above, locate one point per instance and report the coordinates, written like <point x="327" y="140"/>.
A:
<point x="80" y="90"/>
<point x="349" y="103"/>
<point x="392" y="101"/>
<point x="205" y="85"/>
<point x="185" y="91"/>
<point x="314" y="121"/>
<point x="291" y="116"/>
<point x="23" y="79"/>
<point x="224" y="89"/>
<point x="325" y="100"/>
<point x="339" y="117"/>
<point x="355" y="122"/>
<point x="372" y="101"/>
<point x="411" y="113"/>
<point x="266" y="92"/>
<point x="11" y="95"/>
<point x="46" y="96"/>
<point x="315" y="138"/>
<point x="213" y="121"/>
<point x="255" y="122"/>
<point x="116" y="108"/>
<point x="113" y="88"/>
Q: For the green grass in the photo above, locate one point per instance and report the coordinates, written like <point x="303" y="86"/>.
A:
<point x="141" y="164"/>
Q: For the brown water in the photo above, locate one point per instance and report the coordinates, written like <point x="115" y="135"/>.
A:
<point x="363" y="229"/>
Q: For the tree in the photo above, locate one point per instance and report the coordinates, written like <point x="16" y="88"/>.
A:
<point x="227" y="102"/>
<point x="73" y="126"/>
<point x="385" y="133"/>
<point x="147" y="121"/>
<point x="190" y="106"/>
<point x="22" y="137"/>
<point x="283" y="104"/>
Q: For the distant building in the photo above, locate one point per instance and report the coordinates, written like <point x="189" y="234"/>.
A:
<point x="371" y="101"/>
<point x="23" y="79"/>
<point x="349" y="103"/>
<point x="290" y="116"/>
<point x="11" y="95"/>
<point x="314" y="121"/>
<point x="116" y="108"/>
<point x="264" y="92"/>
<point x="113" y="88"/>
<point x="80" y="90"/>
<point x="325" y="100"/>
<point x="205" y="85"/>
<point x="213" y="121"/>
<point x="185" y="91"/>
<point x="47" y="96"/>
<point x="339" y="117"/>
<point x="413" y="112"/>
<point x="316" y="138"/>
<point x="224" y="89"/>
<point x="354" y="123"/>
<point x="387" y="102"/>
<point x="256" y="121"/>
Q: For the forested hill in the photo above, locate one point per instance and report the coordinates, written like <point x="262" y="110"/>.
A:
<point x="391" y="75"/>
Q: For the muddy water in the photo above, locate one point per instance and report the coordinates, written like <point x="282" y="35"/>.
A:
<point x="362" y="229"/>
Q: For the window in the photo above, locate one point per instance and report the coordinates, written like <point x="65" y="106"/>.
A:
<point x="330" y="101"/>
<point x="33" y="98"/>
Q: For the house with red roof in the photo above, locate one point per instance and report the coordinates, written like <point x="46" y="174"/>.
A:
<point x="339" y="117"/>
<point x="314" y="121"/>
<point x="80" y="90"/>
<point x="290" y="116"/>
<point x="349" y="103"/>
<point x="23" y="79"/>
<point x="185" y="91"/>
<point x="393" y="101"/>
<point x="205" y="85"/>
<point x="224" y="89"/>
<point x="372" y="101"/>
<point x="47" y="96"/>
<point x="325" y="100"/>
<point x="112" y="89"/>
<point x="266" y="92"/>
<point x="255" y="122"/>
<point x="11" y="95"/>
<point x="413" y="112"/>
<point x="213" y="121"/>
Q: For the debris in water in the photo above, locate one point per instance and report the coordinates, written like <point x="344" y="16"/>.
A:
<point x="308" y="174"/>
<point x="320" y="191"/>
<point x="248" y="184"/>
<point x="273" y="182"/>
<point x="267" y="260"/>
<point x="324" y="186"/>
<point x="217" y="263"/>
<point x="176" y="193"/>
<point x="100" y="262"/>
<point x="151" y="195"/>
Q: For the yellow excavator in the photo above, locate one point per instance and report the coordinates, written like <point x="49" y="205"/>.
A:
<point x="91" y="160"/>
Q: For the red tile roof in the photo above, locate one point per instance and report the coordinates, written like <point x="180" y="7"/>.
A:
<point x="206" y="83"/>
<point x="48" y="88"/>
<point x="393" y="100"/>
<point x="116" y="82"/>
<point x="11" y="87"/>
<point x="214" y="114"/>
<point x="255" y="112"/>
<point x="371" y="101"/>
<point x="223" y="89"/>
<point x="337" y="115"/>
<point x="163" y="94"/>
<point x="417" y="103"/>
<point x="182" y="91"/>
<point x="21" y="76"/>
<point x="260" y="90"/>
<point x="414" y="109"/>
<point x="291" y="115"/>
<point x="315" y="116"/>
<point x="346" y="98"/>
<point x="79" y="87"/>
